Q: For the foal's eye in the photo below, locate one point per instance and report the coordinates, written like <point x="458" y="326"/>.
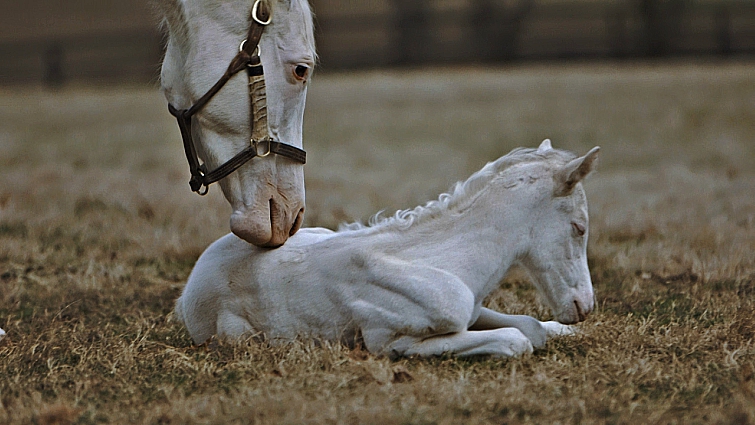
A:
<point x="578" y="229"/>
<point x="301" y="72"/>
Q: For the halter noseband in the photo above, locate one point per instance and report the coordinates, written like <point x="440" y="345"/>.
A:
<point x="261" y="144"/>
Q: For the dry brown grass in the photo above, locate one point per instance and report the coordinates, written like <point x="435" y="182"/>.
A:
<point x="98" y="232"/>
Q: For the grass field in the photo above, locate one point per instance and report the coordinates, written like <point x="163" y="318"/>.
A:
<point x="99" y="231"/>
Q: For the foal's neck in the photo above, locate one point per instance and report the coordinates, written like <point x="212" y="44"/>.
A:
<point x="478" y="244"/>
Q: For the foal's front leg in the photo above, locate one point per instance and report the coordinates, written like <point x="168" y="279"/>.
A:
<point x="536" y="331"/>
<point x="503" y="342"/>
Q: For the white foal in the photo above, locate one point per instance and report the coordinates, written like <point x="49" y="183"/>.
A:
<point x="414" y="283"/>
<point x="2" y="334"/>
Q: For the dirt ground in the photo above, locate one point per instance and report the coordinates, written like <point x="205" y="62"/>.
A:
<point x="99" y="231"/>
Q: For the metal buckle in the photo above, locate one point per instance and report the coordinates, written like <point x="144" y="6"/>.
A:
<point x="256" y="50"/>
<point x="258" y="143"/>
<point x="196" y="185"/>
<point x="255" y="10"/>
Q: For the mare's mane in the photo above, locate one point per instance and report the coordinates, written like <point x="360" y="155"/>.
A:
<point x="460" y="192"/>
<point x="172" y="16"/>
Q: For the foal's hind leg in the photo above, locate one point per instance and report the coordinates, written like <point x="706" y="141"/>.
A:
<point x="232" y="326"/>
<point x="538" y="332"/>
<point x="504" y="342"/>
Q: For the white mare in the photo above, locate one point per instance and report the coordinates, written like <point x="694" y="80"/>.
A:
<point x="414" y="283"/>
<point x="266" y="194"/>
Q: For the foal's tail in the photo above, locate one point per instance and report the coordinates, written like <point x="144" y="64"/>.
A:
<point x="178" y="311"/>
<point x="199" y="317"/>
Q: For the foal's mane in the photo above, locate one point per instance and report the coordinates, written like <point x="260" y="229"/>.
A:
<point x="461" y="192"/>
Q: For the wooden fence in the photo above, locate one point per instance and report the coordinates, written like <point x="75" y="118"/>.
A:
<point x="102" y="58"/>
<point x="420" y="35"/>
<point x="415" y="33"/>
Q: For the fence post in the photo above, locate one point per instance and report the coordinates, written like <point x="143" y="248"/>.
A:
<point x="616" y="23"/>
<point x="662" y="21"/>
<point x="52" y="60"/>
<point x="723" y="30"/>
<point x="411" y="40"/>
<point x="496" y="28"/>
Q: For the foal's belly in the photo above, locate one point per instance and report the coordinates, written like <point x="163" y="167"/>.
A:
<point x="291" y="291"/>
<point x="309" y="323"/>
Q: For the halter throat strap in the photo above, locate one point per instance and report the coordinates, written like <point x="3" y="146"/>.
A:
<point x="247" y="58"/>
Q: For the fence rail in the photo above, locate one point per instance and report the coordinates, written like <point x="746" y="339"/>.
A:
<point x="413" y="33"/>
<point x="541" y="32"/>
<point x="124" y="56"/>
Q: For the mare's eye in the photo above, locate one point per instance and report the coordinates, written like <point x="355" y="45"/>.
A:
<point x="301" y="72"/>
<point x="578" y="229"/>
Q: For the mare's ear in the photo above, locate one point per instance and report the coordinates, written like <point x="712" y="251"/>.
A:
<point x="172" y="15"/>
<point x="573" y="172"/>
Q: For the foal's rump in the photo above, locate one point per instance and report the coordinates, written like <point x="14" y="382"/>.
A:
<point x="199" y="306"/>
<point x="235" y="288"/>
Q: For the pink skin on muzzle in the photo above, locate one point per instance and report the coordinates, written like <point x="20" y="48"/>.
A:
<point x="268" y="224"/>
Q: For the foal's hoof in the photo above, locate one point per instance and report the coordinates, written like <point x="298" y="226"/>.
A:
<point x="512" y="343"/>
<point x="2" y="334"/>
<point x="553" y="329"/>
<point x="534" y="331"/>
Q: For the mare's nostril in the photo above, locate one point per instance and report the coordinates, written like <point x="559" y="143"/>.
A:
<point x="580" y="314"/>
<point x="297" y="222"/>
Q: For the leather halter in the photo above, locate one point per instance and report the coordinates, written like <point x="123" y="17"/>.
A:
<point x="261" y="144"/>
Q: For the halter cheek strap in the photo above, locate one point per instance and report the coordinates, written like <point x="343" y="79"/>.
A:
<point x="261" y="144"/>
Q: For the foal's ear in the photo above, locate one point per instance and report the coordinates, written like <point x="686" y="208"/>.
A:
<point x="545" y="146"/>
<point x="573" y="172"/>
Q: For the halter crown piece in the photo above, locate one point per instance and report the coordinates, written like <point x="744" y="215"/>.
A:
<point x="261" y="144"/>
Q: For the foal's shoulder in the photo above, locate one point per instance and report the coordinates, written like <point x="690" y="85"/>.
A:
<point x="309" y="236"/>
<point x="231" y="246"/>
<point x="227" y="248"/>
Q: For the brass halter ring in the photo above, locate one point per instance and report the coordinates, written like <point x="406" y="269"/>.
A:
<point x="266" y="143"/>
<point x="255" y="10"/>
<point x="257" y="50"/>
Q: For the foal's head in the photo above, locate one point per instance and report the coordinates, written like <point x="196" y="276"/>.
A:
<point x="556" y="256"/>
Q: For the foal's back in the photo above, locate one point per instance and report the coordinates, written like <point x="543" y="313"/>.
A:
<point x="237" y="288"/>
<point x="321" y="284"/>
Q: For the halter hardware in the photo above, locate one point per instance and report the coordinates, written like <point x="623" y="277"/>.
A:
<point x="248" y="59"/>
<point x="257" y="19"/>
<point x="257" y="144"/>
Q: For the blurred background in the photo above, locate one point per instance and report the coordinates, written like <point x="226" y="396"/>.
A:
<point x="99" y="230"/>
<point x="56" y="42"/>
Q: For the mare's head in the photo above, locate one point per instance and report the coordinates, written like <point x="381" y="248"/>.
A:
<point x="266" y="194"/>
<point x="557" y="229"/>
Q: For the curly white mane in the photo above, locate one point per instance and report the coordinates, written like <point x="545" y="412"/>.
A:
<point x="460" y="193"/>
